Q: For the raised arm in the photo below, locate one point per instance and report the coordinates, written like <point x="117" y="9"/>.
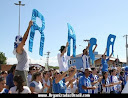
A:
<point x="64" y="74"/>
<point x="105" y="52"/>
<point x="64" y="49"/>
<point x="61" y="77"/>
<point x="21" y="45"/>
<point x="72" y="75"/>
<point x="110" y="55"/>
<point x="87" y="47"/>
<point x="95" y="48"/>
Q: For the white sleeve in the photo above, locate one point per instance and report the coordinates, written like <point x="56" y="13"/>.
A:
<point x="27" y="90"/>
<point x="67" y="57"/>
<point x="12" y="90"/>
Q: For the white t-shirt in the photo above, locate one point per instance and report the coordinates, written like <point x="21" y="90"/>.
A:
<point x="113" y="68"/>
<point x="85" y="60"/>
<point x="38" y="86"/>
<point x="26" y="89"/>
<point x="63" y="62"/>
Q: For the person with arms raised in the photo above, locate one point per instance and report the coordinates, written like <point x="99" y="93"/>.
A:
<point x="22" y="67"/>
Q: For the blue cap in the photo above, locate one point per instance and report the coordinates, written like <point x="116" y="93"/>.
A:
<point x="126" y="68"/>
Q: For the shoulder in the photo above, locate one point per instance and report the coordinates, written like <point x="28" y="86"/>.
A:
<point x="13" y="88"/>
<point x="58" y="55"/>
<point x="26" y="87"/>
<point x="103" y="81"/>
<point x="32" y="84"/>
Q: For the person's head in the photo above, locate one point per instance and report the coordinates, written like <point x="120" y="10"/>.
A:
<point x="37" y="69"/>
<point x="94" y="70"/>
<point x="46" y="74"/>
<point x="4" y="74"/>
<point x="70" y="72"/>
<point x="126" y="69"/>
<point x="113" y="72"/>
<point x="87" y="72"/>
<point x="62" y="49"/>
<point x="114" y="64"/>
<point x="32" y="69"/>
<point x="122" y="73"/>
<point x="19" y="82"/>
<point x="85" y="52"/>
<point x="56" y="75"/>
<point x="51" y="72"/>
<point x="104" y="57"/>
<point x="12" y="69"/>
<point x="105" y="75"/>
<point x="18" y="40"/>
<point x="2" y="82"/>
<point x="37" y="76"/>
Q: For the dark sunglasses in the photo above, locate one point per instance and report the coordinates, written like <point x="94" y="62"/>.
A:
<point x="57" y="73"/>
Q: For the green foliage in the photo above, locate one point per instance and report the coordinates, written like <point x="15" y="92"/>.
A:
<point x="54" y="67"/>
<point x="2" y="58"/>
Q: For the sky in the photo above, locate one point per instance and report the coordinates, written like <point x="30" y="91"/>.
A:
<point x="89" y="18"/>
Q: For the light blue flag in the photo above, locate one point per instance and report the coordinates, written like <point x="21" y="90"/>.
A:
<point x="34" y="27"/>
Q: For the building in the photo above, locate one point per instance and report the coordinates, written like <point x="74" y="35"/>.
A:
<point x="5" y="67"/>
<point x="77" y="61"/>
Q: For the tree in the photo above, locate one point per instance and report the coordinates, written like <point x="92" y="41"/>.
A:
<point x="2" y="58"/>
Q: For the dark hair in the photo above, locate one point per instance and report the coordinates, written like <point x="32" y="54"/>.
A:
<point x="4" y="72"/>
<point x="104" y="76"/>
<point x="121" y="73"/>
<point x="86" y="53"/>
<point x="1" y="78"/>
<point x="44" y="73"/>
<point x="30" y="68"/>
<point x="19" y="80"/>
<point x="35" y="75"/>
<point x="83" y="50"/>
<point x="113" y="70"/>
<point x="12" y="69"/>
<point x="62" y="48"/>
<point x="93" y="68"/>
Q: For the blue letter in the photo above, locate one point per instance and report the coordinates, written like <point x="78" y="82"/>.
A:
<point x="71" y="36"/>
<point x="109" y="42"/>
<point x="34" y="27"/>
<point x="93" y="41"/>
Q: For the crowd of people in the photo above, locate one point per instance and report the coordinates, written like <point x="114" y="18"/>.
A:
<point x="91" y="81"/>
<point x="22" y="78"/>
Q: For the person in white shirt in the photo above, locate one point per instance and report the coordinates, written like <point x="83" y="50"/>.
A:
<point x="63" y="59"/>
<point x="86" y="58"/>
<point x="116" y="88"/>
<point x="19" y="88"/>
<point x="36" y="85"/>
<point x="72" y="87"/>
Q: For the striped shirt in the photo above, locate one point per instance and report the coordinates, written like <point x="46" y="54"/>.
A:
<point x="85" y="82"/>
<point x="106" y="82"/>
<point x="85" y="60"/>
<point x="94" y="78"/>
<point x="114" y="79"/>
